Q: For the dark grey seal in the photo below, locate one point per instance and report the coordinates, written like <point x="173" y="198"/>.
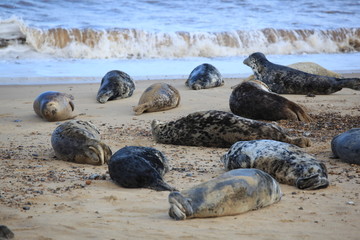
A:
<point x="6" y="233"/>
<point x="346" y="146"/>
<point x="204" y="76"/>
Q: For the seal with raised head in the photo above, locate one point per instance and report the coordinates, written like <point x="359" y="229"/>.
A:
<point x="286" y="80"/>
<point x="346" y="146"/>
<point x="251" y="99"/>
<point x="139" y="167"/>
<point x="79" y="141"/>
<point x="158" y="97"/>
<point x="115" y="84"/>
<point x="285" y="162"/>
<point x="218" y="129"/>
<point x="234" y="192"/>
<point x="204" y="76"/>
<point x="54" y="106"/>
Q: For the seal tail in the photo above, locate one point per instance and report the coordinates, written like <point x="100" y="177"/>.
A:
<point x="300" y="112"/>
<point x="141" y="108"/>
<point x="353" y="83"/>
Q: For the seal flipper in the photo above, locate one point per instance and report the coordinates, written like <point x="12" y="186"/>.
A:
<point x="180" y="206"/>
<point x="353" y="83"/>
<point x="160" y="185"/>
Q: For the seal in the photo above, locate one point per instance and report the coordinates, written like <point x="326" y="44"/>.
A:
<point x="286" y="80"/>
<point x="6" y="233"/>
<point x="54" y="106"/>
<point x="204" y="76"/>
<point x="79" y="141"/>
<point x="251" y="99"/>
<point x="232" y="193"/>
<point x="139" y="167"/>
<point x="158" y="97"/>
<point x="346" y="146"/>
<point x="218" y="129"/>
<point x="285" y="162"/>
<point x="115" y="84"/>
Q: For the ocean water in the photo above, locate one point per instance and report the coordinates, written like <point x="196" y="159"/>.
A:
<point x="79" y="41"/>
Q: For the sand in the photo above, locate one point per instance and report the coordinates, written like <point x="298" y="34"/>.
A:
<point x="42" y="197"/>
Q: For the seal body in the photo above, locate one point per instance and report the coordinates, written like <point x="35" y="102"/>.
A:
<point x="346" y="146"/>
<point x="54" y="106"/>
<point x="158" y="97"/>
<point x="251" y="99"/>
<point x="79" y="141"/>
<point x="286" y="80"/>
<point x="218" y="129"/>
<point x="115" y="84"/>
<point x="231" y="193"/>
<point x="204" y="76"/>
<point x="287" y="163"/>
<point x="139" y="167"/>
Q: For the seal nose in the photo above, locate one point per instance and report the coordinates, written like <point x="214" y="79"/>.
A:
<point x="246" y="61"/>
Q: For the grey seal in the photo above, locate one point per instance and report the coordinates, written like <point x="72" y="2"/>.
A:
<point x="346" y="146"/>
<point x="6" y="233"/>
<point x="204" y="76"/>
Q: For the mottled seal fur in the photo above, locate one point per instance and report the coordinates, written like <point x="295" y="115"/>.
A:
<point x="6" y="233"/>
<point x="204" y="76"/>
<point x="251" y="99"/>
<point x="218" y="129"/>
<point x="115" y="84"/>
<point x="286" y="80"/>
<point x="139" y="167"/>
<point x="287" y="163"/>
<point x="346" y="146"/>
<point x="158" y="97"/>
<point x="231" y="193"/>
<point x="79" y="141"/>
<point x="54" y="106"/>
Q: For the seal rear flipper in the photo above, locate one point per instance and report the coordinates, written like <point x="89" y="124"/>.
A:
<point x="312" y="182"/>
<point x="180" y="206"/>
<point x="301" y="142"/>
<point x="353" y="83"/>
<point x="300" y="112"/>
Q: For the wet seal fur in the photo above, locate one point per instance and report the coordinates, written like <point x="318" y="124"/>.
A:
<point x="231" y="193"/>
<point x="285" y="162"/>
<point x="346" y="146"/>
<point x="218" y="129"/>
<point x="158" y="97"/>
<point x="79" y="141"/>
<point x="286" y="80"/>
<point x="251" y="99"/>
<point x="139" y="167"/>
<point x="6" y="233"/>
<point x="204" y="76"/>
<point x="54" y="106"/>
<point x="115" y="84"/>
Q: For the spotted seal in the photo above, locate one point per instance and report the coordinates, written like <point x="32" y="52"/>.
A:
<point x="287" y="163"/>
<point x="232" y="193"/>
<point x="204" y="76"/>
<point x="115" y="84"/>
<point x="6" y="233"/>
<point x="218" y="129"/>
<point x="139" y="167"/>
<point x="286" y="80"/>
<point x="346" y="146"/>
<point x="54" y="106"/>
<point x="158" y="97"/>
<point x="79" y="141"/>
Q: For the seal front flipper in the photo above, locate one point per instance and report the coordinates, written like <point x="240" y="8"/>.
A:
<point x="180" y="206"/>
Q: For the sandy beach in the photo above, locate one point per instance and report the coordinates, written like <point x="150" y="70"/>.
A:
<point x="42" y="197"/>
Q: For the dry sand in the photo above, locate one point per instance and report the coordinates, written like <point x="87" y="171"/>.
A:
<point x="42" y="197"/>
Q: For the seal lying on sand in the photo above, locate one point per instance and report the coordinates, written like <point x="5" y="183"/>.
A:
<point x="251" y="99"/>
<point x="346" y="146"/>
<point x="158" y="97"/>
<point x="139" y="167"/>
<point x="79" y="141"/>
<point x="204" y="76"/>
<point x="5" y="233"/>
<point x="285" y="80"/>
<point x="54" y="106"/>
<point x="231" y="193"/>
<point x="218" y="129"/>
<point x="285" y="162"/>
<point x="115" y="84"/>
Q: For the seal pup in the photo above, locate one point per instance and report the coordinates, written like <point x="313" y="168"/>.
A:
<point x="204" y="76"/>
<point x="232" y="193"/>
<point x="286" y="80"/>
<point x="251" y="99"/>
<point x="346" y="146"/>
<point x="218" y="129"/>
<point x="6" y="233"/>
<point x="158" y="97"/>
<point x="54" y="106"/>
<point x="285" y="162"/>
<point x="139" y="167"/>
<point x="115" y="84"/>
<point x="79" y="141"/>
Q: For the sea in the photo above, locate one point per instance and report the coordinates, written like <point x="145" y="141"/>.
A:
<point x="69" y="41"/>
